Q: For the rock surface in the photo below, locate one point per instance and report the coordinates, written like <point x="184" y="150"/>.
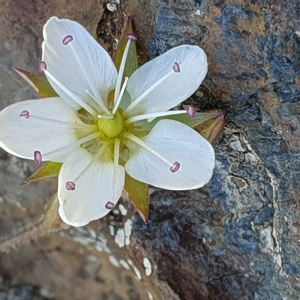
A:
<point x="238" y="237"/>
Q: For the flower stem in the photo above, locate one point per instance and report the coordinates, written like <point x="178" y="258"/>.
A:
<point x="37" y="230"/>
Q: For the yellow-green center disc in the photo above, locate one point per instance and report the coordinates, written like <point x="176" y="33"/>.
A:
<point x="111" y="127"/>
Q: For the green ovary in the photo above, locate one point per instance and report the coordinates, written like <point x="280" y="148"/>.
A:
<point x="111" y="127"/>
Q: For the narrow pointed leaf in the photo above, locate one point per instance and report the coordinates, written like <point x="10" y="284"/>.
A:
<point x="39" y="83"/>
<point x="138" y="194"/>
<point x="212" y="128"/>
<point x="48" y="170"/>
<point x="131" y="64"/>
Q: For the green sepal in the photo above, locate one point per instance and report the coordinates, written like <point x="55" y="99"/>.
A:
<point x="137" y="191"/>
<point x="52" y="220"/>
<point x="131" y="62"/>
<point x="39" y="83"/>
<point x="139" y="196"/>
<point x="49" y="169"/>
<point x="212" y="128"/>
<point x="209" y="124"/>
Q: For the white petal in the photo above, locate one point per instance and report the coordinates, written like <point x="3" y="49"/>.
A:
<point x="80" y="65"/>
<point x="22" y="137"/>
<point x="173" y="90"/>
<point x="177" y="143"/>
<point x="100" y="184"/>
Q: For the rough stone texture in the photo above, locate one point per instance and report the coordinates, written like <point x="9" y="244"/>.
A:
<point x="72" y="264"/>
<point x="237" y="238"/>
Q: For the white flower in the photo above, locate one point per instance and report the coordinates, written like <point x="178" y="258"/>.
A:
<point x="97" y="151"/>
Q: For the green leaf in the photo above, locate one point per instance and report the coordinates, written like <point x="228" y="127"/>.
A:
<point x="139" y="195"/>
<point x="39" y="83"/>
<point x="131" y="63"/>
<point x="48" y="170"/>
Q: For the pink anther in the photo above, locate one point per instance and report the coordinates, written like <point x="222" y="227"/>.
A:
<point x="131" y="36"/>
<point x="176" y="68"/>
<point x="43" y="66"/>
<point x="70" y="186"/>
<point x="25" y="114"/>
<point x="38" y="157"/>
<point x="67" y="39"/>
<point x="191" y="111"/>
<point x="175" y="167"/>
<point x="109" y="205"/>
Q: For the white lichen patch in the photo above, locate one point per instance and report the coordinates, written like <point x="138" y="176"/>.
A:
<point x="124" y="264"/>
<point x="116" y="211"/>
<point x="114" y="261"/>
<point x="128" y="231"/>
<point x="87" y="237"/>
<point x="112" y="7"/>
<point x="93" y="259"/>
<point x="123" y="235"/>
<point x="92" y="233"/>
<point x="137" y="273"/>
<point x="120" y="237"/>
<point x="101" y="246"/>
<point x="111" y="229"/>
<point x="269" y="246"/>
<point x="150" y="296"/>
<point x="123" y="210"/>
<point x="147" y="266"/>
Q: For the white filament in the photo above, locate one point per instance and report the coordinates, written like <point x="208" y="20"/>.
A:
<point x="121" y="71"/>
<point x="141" y="97"/>
<point x="154" y="115"/>
<point x="71" y="95"/>
<point x="144" y="145"/>
<point x="117" y="104"/>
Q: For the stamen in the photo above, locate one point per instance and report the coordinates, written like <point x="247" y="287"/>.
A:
<point x="132" y="37"/>
<point x="79" y="142"/>
<point x="87" y="76"/>
<point x="71" y="95"/>
<point x="67" y="39"/>
<point x="176" y="68"/>
<point x="191" y="111"/>
<point x="37" y="157"/>
<point x="105" y="117"/>
<point x="92" y="162"/>
<point x="144" y="145"/>
<point x="175" y="167"/>
<point x="99" y="101"/>
<point x="25" y="114"/>
<point x="117" y="104"/>
<point x="43" y="67"/>
<point x="70" y="186"/>
<point x="109" y="205"/>
<point x="63" y="123"/>
<point x="121" y="71"/>
<point x="141" y="97"/>
<point x="153" y="116"/>
<point x="117" y="151"/>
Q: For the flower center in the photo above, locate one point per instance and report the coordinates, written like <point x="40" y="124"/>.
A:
<point x="113" y="126"/>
